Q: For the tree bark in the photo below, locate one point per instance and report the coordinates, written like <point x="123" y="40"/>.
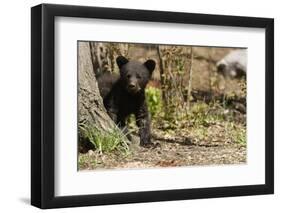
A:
<point x="90" y="103"/>
<point x="100" y="57"/>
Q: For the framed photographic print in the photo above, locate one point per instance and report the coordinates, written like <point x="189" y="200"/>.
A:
<point x="140" y="106"/>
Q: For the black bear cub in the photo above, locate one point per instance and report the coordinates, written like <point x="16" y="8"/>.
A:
<point x="125" y="94"/>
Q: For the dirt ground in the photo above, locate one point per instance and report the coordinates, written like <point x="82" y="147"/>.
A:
<point x="167" y="154"/>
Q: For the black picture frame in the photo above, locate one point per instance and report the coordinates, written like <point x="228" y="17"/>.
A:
<point x="43" y="105"/>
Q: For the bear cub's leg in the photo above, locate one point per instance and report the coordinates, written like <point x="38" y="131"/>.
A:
<point x="143" y="122"/>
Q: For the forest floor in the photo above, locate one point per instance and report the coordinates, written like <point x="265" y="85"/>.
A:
<point x="209" y="140"/>
<point x="166" y="155"/>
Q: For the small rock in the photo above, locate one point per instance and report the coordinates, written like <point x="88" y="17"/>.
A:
<point x="91" y="152"/>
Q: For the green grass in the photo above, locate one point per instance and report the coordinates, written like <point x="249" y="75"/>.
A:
<point x="205" y="122"/>
<point x="85" y="161"/>
<point x="202" y="116"/>
<point x="237" y="133"/>
<point x="105" y="141"/>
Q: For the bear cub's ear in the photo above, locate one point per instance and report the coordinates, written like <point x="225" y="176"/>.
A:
<point x="121" y="60"/>
<point x="150" y="65"/>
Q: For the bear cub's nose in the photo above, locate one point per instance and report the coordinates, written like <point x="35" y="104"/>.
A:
<point x="132" y="86"/>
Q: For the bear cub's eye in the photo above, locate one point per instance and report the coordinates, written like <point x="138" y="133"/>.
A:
<point x="128" y="76"/>
<point x="138" y="76"/>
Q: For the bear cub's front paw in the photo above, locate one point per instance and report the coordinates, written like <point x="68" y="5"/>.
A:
<point x="150" y="145"/>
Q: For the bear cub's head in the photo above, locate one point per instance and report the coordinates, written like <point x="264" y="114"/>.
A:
<point x="134" y="74"/>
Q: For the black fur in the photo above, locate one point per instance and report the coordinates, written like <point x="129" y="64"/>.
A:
<point x="125" y="94"/>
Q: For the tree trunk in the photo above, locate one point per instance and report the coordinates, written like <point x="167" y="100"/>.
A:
<point x="100" y="57"/>
<point x="90" y="103"/>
